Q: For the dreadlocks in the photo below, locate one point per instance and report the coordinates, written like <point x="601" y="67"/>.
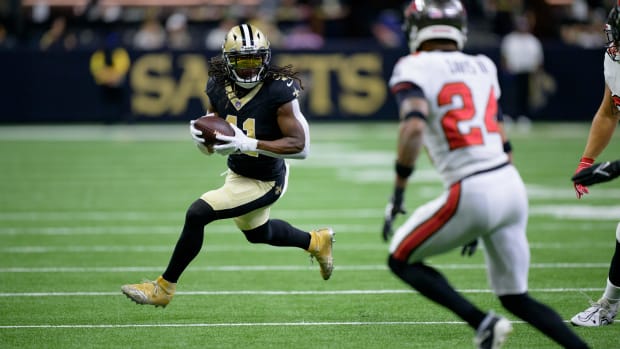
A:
<point x="217" y="70"/>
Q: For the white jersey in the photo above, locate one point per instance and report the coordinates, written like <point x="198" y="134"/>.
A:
<point x="611" y="70"/>
<point x="462" y="136"/>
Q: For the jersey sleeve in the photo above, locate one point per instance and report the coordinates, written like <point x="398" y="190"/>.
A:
<point x="284" y="90"/>
<point x="409" y="71"/>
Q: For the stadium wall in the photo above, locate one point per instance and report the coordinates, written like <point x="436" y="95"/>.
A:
<point x="345" y="84"/>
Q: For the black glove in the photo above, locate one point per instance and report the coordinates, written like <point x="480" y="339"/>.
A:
<point x="393" y="207"/>
<point x="598" y="173"/>
<point x="470" y="248"/>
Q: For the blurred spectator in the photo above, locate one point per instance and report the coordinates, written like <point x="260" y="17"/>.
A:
<point x="503" y="14"/>
<point x="387" y="29"/>
<point x="267" y="24"/>
<point x="6" y="40"/>
<point x="57" y="37"/>
<point x="301" y="37"/>
<point x="150" y="36"/>
<point x="215" y="37"/>
<point x="109" y="66"/>
<point x="587" y="32"/>
<point x="178" y="37"/>
<point x="522" y="57"/>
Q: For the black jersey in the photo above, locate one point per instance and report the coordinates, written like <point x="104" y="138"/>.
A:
<point x="255" y="114"/>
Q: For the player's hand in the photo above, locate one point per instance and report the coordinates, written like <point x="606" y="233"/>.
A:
<point x="580" y="189"/>
<point x="224" y="151"/>
<point x="196" y="133"/>
<point x="470" y="248"/>
<point x="597" y="173"/>
<point x="204" y="149"/>
<point x="393" y="208"/>
<point x="239" y="142"/>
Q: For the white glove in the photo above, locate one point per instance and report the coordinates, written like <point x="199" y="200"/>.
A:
<point x="239" y="142"/>
<point x="203" y="148"/>
<point x="196" y="133"/>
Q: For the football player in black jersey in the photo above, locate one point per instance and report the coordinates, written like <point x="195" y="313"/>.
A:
<point x="260" y="102"/>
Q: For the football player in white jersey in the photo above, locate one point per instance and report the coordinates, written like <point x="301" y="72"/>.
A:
<point x="448" y="104"/>
<point x="603" y="311"/>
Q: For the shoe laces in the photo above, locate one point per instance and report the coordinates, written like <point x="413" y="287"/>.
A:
<point x="156" y="286"/>
<point x="594" y="306"/>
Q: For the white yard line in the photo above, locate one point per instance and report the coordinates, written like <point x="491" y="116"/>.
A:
<point x="268" y="268"/>
<point x="278" y="293"/>
<point x="246" y="324"/>
<point x="227" y="248"/>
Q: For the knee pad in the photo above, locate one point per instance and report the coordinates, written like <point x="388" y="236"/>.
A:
<point x="200" y="213"/>
<point x="259" y="235"/>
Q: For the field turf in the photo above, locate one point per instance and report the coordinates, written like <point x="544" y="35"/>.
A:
<point x="85" y="209"/>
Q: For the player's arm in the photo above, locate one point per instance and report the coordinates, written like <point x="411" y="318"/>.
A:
<point x="412" y="112"/>
<point x="502" y="132"/>
<point x="295" y="141"/>
<point x="413" y="109"/>
<point x="293" y="144"/>
<point x="603" y="126"/>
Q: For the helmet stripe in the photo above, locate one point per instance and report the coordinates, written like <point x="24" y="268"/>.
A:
<point x="246" y="35"/>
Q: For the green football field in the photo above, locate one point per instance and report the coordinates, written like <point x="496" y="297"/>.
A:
<point x="85" y="209"/>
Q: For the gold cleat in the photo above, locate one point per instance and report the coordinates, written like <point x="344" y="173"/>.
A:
<point x="158" y="293"/>
<point x="321" y="241"/>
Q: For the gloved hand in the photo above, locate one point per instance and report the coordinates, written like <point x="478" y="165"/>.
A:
<point x="598" y="173"/>
<point x="239" y="142"/>
<point x="204" y="149"/>
<point x="470" y="248"/>
<point x="393" y="208"/>
<point x="580" y="189"/>
<point x="196" y="133"/>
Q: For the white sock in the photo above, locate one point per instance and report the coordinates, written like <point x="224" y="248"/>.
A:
<point x="612" y="293"/>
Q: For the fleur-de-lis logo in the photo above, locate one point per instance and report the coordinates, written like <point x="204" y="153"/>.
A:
<point x="278" y="189"/>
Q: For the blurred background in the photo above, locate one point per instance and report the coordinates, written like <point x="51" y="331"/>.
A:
<point x="125" y="61"/>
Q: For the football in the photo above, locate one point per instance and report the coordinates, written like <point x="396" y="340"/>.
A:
<point x="210" y="126"/>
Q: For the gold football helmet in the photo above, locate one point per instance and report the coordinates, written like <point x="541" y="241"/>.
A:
<point x="247" y="54"/>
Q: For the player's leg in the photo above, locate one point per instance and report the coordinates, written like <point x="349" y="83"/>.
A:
<point x="604" y="311"/>
<point x="238" y="196"/>
<point x="161" y="291"/>
<point x="434" y="228"/>
<point x="507" y="255"/>
<point x="317" y="242"/>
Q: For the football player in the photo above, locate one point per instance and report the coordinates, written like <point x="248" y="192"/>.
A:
<point x="260" y="101"/>
<point x="448" y="103"/>
<point x="603" y="311"/>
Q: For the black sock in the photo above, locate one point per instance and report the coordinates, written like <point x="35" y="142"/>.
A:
<point x="434" y="286"/>
<point x="189" y="244"/>
<point x="614" y="269"/>
<point x="278" y="233"/>
<point x="545" y="319"/>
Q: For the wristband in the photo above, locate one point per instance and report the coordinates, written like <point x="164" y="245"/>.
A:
<point x="414" y="114"/>
<point x="507" y="147"/>
<point x="586" y="160"/>
<point x="403" y="171"/>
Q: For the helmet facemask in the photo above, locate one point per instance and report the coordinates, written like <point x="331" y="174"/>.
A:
<point x="612" y="31"/>
<point x="247" y="55"/>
